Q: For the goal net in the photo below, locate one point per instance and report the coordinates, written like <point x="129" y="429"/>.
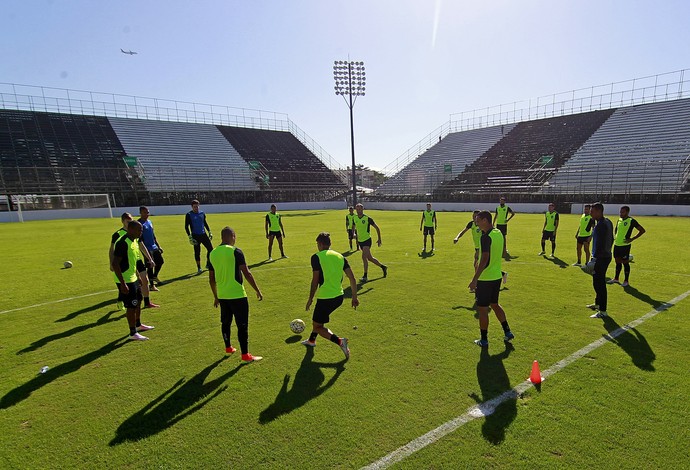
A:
<point x="42" y="202"/>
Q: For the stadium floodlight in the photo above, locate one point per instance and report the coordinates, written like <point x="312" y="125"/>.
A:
<point x="350" y="81"/>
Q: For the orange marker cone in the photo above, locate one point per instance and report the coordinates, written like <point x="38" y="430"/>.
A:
<point x="535" y="377"/>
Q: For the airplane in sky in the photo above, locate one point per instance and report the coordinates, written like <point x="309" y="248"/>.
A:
<point x="130" y="52"/>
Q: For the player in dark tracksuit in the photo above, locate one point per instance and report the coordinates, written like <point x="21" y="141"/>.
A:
<point x="196" y="227"/>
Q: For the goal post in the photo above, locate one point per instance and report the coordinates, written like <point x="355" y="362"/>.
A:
<point x="56" y="202"/>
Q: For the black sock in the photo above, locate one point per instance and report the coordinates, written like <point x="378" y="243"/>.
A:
<point x="313" y="336"/>
<point x="505" y="326"/>
<point x="484" y="334"/>
<point x="618" y="270"/>
<point x="626" y="268"/>
<point x="138" y="323"/>
<point x="365" y="274"/>
<point x="147" y="301"/>
<point x="132" y="331"/>
<point x="335" y="339"/>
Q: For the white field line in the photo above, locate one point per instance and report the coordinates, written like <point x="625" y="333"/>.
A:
<point x="488" y="407"/>
<point x="58" y="301"/>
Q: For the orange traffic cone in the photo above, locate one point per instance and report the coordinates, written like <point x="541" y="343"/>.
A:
<point x="535" y="377"/>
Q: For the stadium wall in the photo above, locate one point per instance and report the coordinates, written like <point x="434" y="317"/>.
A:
<point x="525" y="208"/>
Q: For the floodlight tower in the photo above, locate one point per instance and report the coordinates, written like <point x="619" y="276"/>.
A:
<point x="350" y="80"/>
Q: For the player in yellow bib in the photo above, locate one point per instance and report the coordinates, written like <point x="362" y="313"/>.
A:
<point x="430" y="224"/>
<point x="226" y="272"/>
<point x="273" y="226"/>
<point x="623" y="237"/>
<point x="501" y="219"/>
<point x="476" y="235"/>
<point x="583" y="235"/>
<point x="548" y="231"/>
<point x="328" y="267"/>
<point x="350" y="227"/>
<point x="487" y="279"/>
<point x="363" y="224"/>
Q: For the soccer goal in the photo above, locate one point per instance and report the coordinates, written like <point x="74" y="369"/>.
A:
<point x="43" y="202"/>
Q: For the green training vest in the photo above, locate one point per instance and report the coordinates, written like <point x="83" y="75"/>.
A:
<point x="350" y="221"/>
<point x="550" y="221"/>
<point x="476" y="235"/>
<point x="273" y="222"/>
<point x="362" y="226"/>
<point x="332" y="264"/>
<point x="584" y="223"/>
<point x="493" y="269"/>
<point x="133" y="254"/>
<point x="223" y="261"/>
<point x="623" y="231"/>
<point x="429" y="218"/>
<point x="502" y="217"/>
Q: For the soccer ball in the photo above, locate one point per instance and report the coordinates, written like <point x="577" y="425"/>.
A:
<point x="297" y="326"/>
<point x="589" y="267"/>
<point x="630" y="257"/>
<point x="67" y="264"/>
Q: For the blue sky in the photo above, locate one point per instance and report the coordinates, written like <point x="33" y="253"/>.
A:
<point x="424" y="59"/>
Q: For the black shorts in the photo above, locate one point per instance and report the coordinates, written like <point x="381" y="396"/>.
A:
<point x="487" y="292"/>
<point x="365" y="243"/>
<point x="503" y="228"/>
<point x="141" y="267"/>
<point x="324" y="308"/>
<point x="275" y="234"/>
<point x="350" y="233"/>
<point x="621" y="252"/>
<point x="238" y="308"/>
<point x="428" y="230"/>
<point x="548" y="235"/>
<point x="133" y="298"/>
<point x="583" y="240"/>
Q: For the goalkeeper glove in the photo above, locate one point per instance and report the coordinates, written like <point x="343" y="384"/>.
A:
<point x="192" y="241"/>
<point x="210" y="236"/>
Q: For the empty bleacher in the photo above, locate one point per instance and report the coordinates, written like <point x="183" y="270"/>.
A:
<point x="528" y="155"/>
<point x="444" y="161"/>
<point x="183" y="157"/>
<point x="639" y="149"/>
<point x="282" y="158"/>
<point x="50" y="153"/>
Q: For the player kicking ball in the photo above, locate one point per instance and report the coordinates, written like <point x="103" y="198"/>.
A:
<point x="328" y="267"/>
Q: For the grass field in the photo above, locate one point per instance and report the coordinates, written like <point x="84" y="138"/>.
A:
<point x="177" y="401"/>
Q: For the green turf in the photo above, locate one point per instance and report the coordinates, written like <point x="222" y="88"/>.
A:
<point x="176" y="401"/>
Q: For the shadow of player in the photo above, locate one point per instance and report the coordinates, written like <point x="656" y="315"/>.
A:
<point x="557" y="261"/>
<point x="308" y="384"/>
<point x="632" y="342"/>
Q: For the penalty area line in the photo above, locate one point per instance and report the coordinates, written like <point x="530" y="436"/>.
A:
<point x="488" y="407"/>
<point x="58" y="301"/>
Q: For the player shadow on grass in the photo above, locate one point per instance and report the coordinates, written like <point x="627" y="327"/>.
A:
<point x="308" y="384"/>
<point x="184" y="277"/>
<point x="178" y="402"/>
<point x="557" y="261"/>
<point x="642" y="296"/>
<point x="498" y="402"/>
<point x="104" y="320"/>
<point x="24" y="391"/>
<point x="261" y="263"/>
<point x="633" y="343"/>
<point x="347" y="291"/>
<point x="97" y="306"/>
<point x="426" y="254"/>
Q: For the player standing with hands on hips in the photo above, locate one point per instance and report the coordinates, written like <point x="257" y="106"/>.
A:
<point x="273" y="226"/>
<point x="621" y="244"/>
<point x="487" y="279"/>
<point x="327" y="279"/>
<point x="430" y="224"/>
<point x="501" y="220"/>
<point x="196" y="227"/>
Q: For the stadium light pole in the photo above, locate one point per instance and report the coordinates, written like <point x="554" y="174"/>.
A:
<point x="350" y="81"/>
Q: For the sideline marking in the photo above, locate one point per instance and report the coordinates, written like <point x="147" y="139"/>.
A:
<point x="58" y="301"/>
<point x="489" y="406"/>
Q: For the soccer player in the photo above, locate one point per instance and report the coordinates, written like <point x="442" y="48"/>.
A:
<point x="196" y="227"/>
<point x="125" y="256"/>
<point x="548" y="231"/>
<point x="476" y="235"/>
<point x="584" y="235"/>
<point x="350" y="227"/>
<point x="430" y="224"/>
<point x="151" y="243"/>
<point x="273" y="226"/>
<point x="621" y="245"/>
<point x="501" y="220"/>
<point x="602" y="240"/>
<point x="327" y="279"/>
<point x="487" y="279"/>
<point x="126" y="218"/>
<point x="225" y="272"/>
<point x="363" y="224"/>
